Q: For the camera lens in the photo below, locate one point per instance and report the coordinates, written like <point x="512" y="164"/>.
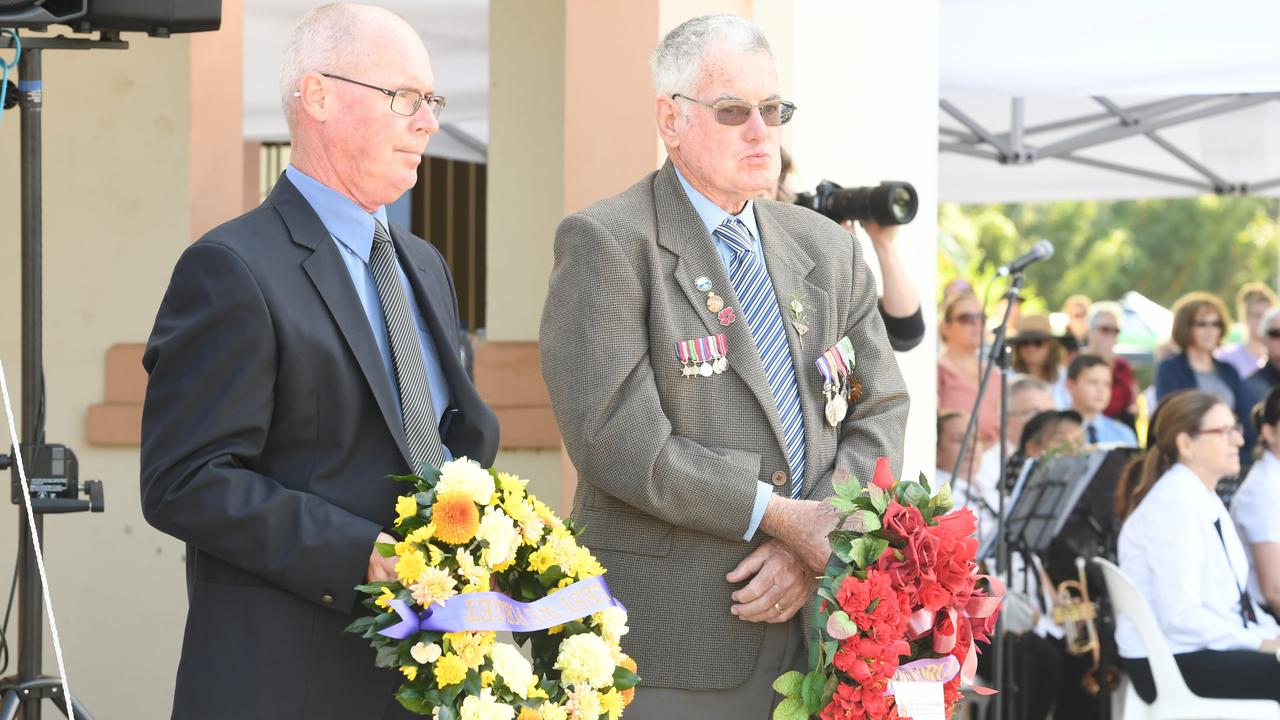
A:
<point x="889" y="203"/>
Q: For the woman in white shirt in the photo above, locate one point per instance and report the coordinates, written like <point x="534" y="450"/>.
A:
<point x="1180" y="548"/>
<point x="1256" y="506"/>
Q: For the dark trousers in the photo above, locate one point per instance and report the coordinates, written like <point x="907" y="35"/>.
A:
<point x="1244" y="674"/>
<point x="1032" y="676"/>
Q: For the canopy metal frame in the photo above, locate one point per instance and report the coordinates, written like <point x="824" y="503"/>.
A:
<point x="1115" y="122"/>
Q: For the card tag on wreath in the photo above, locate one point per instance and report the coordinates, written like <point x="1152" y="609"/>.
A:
<point x="917" y="688"/>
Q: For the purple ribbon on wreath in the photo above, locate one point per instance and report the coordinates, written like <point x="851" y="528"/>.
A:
<point x="495" y="611"/>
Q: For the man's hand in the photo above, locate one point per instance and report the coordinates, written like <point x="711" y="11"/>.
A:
<point x="781" y="581"/>
<point x="803" y="526"/>
<point x="381" y="569"/>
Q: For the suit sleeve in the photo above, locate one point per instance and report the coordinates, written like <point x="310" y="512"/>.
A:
<point x="595" y="361"/>
<point x="876" y="424"/>
<point x="208" y="410"/>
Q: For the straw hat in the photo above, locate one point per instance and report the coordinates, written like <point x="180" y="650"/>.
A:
<point x="1033" y="327"/>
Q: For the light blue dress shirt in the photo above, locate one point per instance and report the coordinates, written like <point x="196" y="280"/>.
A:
<point x="352" y="230"/>
<point x="712" y="216"/>
<point x="1110" y="430"/>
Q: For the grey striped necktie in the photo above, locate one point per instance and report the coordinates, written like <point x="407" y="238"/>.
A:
<point x="406" y="354"/>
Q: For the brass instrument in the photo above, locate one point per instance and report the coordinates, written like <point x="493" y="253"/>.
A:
<point x="1078" y="614"/>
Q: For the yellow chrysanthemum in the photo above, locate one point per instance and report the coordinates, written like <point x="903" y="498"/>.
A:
<point x="434" y="555"/>
<point x="513" y="484"/>
<point x="406" y="507"/>
<point x="404" y="547"/>
<point x="513" y="668"/>
<point x="475" y="575"/>
<point x="585" y="659"/>
<point x="410" y="671"/>
<point x="472" y="647"/>
<point x="423" y="534"/>
<point x="547" y="514"/>
<point x="456" y="517"/>
<point x="528" y="713"/>
<point x="487" y="677"/>
<point x="500" y="536"/>
<point x="553" y="711"/>
<point x="611" y="703"/>
<point x="585" y="565"/>
<point x="384" y="600"/>
<point x="434" y="585"/>
<point x="541" y="559"/>
<point x="485" y="707"/>
<point x="449" y="670"/>
<point x="555" y="629"/>
<point x="535" y="691"/>
<point x="563" y="547"/>
<point x="410" y="567"/>
<point x="564" y="583"/>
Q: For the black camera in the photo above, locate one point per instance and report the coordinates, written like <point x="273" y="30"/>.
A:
<point x="892" y="202"/>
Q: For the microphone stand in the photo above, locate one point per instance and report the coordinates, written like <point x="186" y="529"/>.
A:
<point x="997" y="357"/>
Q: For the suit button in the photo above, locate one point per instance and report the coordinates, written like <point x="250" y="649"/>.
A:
<point x="326" y="599"/>
<point x="779" y="478"/>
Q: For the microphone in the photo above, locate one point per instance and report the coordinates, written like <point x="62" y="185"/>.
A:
<point x="1042" y="250"/>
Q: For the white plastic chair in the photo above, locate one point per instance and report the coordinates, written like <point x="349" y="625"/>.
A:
<point x="1174" y="700"/>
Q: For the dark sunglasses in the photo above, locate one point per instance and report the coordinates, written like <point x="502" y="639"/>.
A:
<point x="1209" y="323"/>
<point x="1107" y="330"/>
<point x="1274" y="333"/>
<point x="737" y="112"/>
<point x="968" y="318"/>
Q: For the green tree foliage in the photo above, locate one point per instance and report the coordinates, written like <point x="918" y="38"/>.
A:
<point x="1160" y="248"/>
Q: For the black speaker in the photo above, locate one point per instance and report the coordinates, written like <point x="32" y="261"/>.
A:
<point x="159" y="18"/>
<point x="39" y="13"/>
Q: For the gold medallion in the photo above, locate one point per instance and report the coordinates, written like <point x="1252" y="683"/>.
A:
<point x="715" y="303"/>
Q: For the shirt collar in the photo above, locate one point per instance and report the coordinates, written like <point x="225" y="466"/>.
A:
<point x="346" y="221"/>
<point x="1185" y="482"/>
<point x="713" y="215"/>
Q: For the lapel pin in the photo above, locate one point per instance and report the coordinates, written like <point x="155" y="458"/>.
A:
<point x="703" y="283"/>
<point x="726" y="316"/>
<point x="715" y="303"/>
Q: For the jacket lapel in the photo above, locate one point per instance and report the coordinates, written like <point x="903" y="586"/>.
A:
<point x="789" y="269"/>
<point x="329" y="274"/>
<point x="682" y="232"/>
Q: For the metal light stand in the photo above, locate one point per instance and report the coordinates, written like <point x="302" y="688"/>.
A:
<point x="997" y="358"/>
<point x="22" y="693"/>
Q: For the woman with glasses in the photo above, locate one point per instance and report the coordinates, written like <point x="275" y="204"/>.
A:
<point x="1199" y="322"/>
<point x="961" y="326"/>
<point x="1256" y="505"/>
<point x="1103" y="323"/>
<point x="1180" y="549"/>
<point x="1039" y="353"/>
<point x="1252" y="302"/>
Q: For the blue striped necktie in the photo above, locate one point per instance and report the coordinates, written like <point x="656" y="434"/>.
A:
<point x="751" y="283"/>
<point x="406" y="354"/>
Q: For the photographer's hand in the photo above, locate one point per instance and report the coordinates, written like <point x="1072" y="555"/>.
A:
<point x="900" y="298"/>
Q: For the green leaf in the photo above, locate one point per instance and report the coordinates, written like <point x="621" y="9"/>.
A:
<point x="840" y="626"/>
<point x="405" y="478"/>
<point x="924" y="482"/>
<point x="426" y="498"/>
<point x="791" y="709"/>
<point x="879" y="499"/>
<point x="360" y="625"/>
<point x="446" y="712"/>
<point x="811" y="690"/>
<point x="842" y="548"/>
<point x="472" y="683"/>
<point x="825" y="593"/>
<point x="386" y="550"/>
<point x="848" y="490"/>
<point x="870" y="521"/>
<point x="413" y="699"/>
<point x="842" y="505"/>
<point x="788" y="685"/>
<point x="878" y="546"/>
<point x="624" y="679"/>
<point x="388" y="656"/>
<point x="913" y="494"/>
<point x="858" y="552"/>
<point x="829" y="648"/>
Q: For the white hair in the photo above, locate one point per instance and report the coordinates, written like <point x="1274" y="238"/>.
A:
<point x="676" y="63"/>
<point x="1105" y="307"/>
<point x="1268" y="319"/>
<point x="326" y="39"/>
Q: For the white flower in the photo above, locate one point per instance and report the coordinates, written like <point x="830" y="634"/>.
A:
<point x="513" y="668"/>
<point x="501" y="534"/>
<point x="486" y="707"/>
<point x="425" y="654"/>
<point x="471" y="572"/>
<point x="612" y="622"/>
<point x="466" y="476"/>
<point x="586" y="659"/>
<point x="584" y="703"/>
<point x="552" y="711"/>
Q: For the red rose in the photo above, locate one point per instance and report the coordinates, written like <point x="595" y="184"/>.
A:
<point x="959" y="524"/>
<point x="902" y="522"/>
<point x="922" y="553"/>
<point x="883" y="476"/>
<point x="933" y="596"/>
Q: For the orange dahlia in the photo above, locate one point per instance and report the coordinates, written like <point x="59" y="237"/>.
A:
<point x="629" y="695"/>
<point x="456" y="517"/>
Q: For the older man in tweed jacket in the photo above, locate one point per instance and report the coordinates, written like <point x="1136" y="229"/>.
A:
<point x="679" y="344"/>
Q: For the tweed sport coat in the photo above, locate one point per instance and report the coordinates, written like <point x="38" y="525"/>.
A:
<point x="668" y="465"/>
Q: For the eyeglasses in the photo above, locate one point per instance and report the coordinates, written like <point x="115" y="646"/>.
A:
<point x="1107" y="330"/>
<point x="1037" y="342"/>
<point x="403" y="101"/>
<point x="1225" y="431"/>
<point x="1209" y="324"/>
<point x="737" y="112"/>
<point x="968" y="318"/>
<point x="1274" y="333"/>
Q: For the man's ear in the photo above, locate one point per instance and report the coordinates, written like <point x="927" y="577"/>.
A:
<point x="668" y="117"/>
<point x="313" y="97"/>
